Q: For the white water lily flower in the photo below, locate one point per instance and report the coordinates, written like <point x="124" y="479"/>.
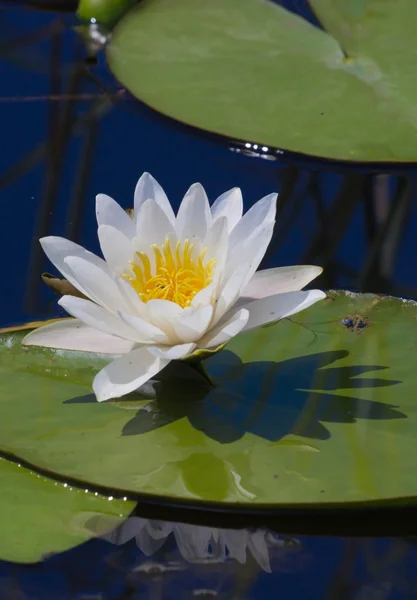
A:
<point x="170" y="285"/>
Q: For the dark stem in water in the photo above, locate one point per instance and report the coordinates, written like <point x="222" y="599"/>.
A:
<point x="198" y="367"/>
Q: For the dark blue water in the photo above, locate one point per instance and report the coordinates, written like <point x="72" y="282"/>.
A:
<point x="69" y="132"/>
<point x="300" y="568"/>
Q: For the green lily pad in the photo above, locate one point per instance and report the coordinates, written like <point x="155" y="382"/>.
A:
<point x="253" y="71"/>
<point x="40" y="517"/>
<point x="104" y="12"/>
<point x="317" y="409"/>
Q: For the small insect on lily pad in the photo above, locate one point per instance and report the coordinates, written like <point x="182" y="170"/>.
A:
<point x="306" y="413"/>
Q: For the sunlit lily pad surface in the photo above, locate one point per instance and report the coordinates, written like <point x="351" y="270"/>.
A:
<point x="254" y="71"/>
<point x="105" y="13"/>
<point x="40" y="517"/>
<point x="316" y="409"/>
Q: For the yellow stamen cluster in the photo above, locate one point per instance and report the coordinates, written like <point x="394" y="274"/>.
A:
<point x="176" y="275"/>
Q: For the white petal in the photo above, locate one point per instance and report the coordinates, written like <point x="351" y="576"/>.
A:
<point x="216" y="238"/>
<point x="57" y="249"/>
<point x="134" y="304"/>
<point x="147" y="333"/>
<point x="98" y="317"/>
<point x="194" y="215"/>
<point x="216" y="242"/>
<point x="126" y="374"/>
<point x="225" y="330"/>
<point x="72" y="334"/>
<point x="108" y="212"/>
<point x="163" y="314"/>
<point x="229" y="205"/>
<point x="259" y="215"/>
<point x="203" y="297"/>
<point x="193" y="323"/>
<point x="116" y="248"/>
<point x="280" y="306"/>
<point x="250" y="250"/>
<point x="258" y="251"/>
<point x="279" y="280"/>
<point x="152" y="225"/>
<point x="173" y="353"/>
<point x="147" y="187"/>
<point x="95" y="283"/>
<point x="230" y="292"/>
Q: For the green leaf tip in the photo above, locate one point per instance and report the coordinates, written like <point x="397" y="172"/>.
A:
<point x="103" y="12"/>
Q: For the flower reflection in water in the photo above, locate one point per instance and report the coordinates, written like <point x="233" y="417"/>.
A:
<point x="198" y="544"/>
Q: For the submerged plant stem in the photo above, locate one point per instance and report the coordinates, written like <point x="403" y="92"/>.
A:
<point x="198" y="366"/>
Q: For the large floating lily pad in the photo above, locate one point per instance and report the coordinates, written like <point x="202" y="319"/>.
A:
<point x="253" y="71"/>
<point x="318" y="409"/>
<point x="40" y="517"/>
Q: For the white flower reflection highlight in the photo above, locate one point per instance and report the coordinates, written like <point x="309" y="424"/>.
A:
<point x="200" y="544"/>
<point x="169" y="285"/>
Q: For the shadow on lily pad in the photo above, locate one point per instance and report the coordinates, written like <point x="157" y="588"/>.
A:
<point x="267" y="399"/>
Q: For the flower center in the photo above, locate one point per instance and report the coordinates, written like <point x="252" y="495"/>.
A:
<point x="176" y="276"/>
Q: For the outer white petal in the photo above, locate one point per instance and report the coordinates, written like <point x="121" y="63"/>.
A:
<point x="98" y="317"/>
<point x="216" y="242"/>
<point x="126" y="374"/>
<point x="230" y="292"/>
<point x="216" y="239"/>
<point x="116" y="248"/>
<point x="194" y="215"/>
<point x="225" y="330"/>
<point x="134" y="304"/>
<point x="57" y="249"/>
<point x="229" y="205"/>
<point x="250" y="250"/>
<point x="73" y="334"/>
<point x="152" y="225"/>
<point x="259" y="215"/>
<point x="146" y="332"/>
<point x="163" y="314"/>
<point x="279" y="306"/>
<point x="147" y="187"/>
<point x="259" y="251"/>
<point x="193" y="323"/>
<point x="173" y="353"/>
<point x="108" y="212"/>
<point x="279" y="280"/>
<point x="95" y="283"/>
